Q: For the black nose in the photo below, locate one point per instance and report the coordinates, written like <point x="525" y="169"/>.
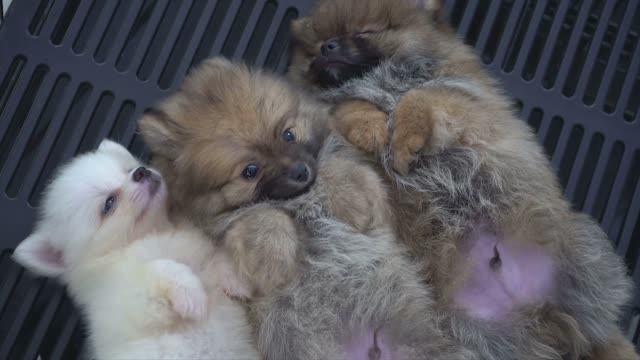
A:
<point x="299" y="172"/>
<point x="140" y="174"/>
<point x="330" y="47"/>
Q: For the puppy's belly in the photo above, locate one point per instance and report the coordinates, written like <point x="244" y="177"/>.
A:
<point x="503" y="276"/>
<point x="368" y="345"/>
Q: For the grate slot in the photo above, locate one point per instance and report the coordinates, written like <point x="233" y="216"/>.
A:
<point x="615" y="71"/>
<point x="163" y="39"/>
<point x="33" y="145"/>
<point x="94" y="23"/>
<point x="64" y="20"/>
<point x="42" y="322"/>
<point x="607" y="58"/>
<point x="549" y="44"/>
<point x="264" y="23"/>
<point x="213" y="29"/>
<point x="566" y="28"/>
<point x="20" y="114"/>
<point x="467" y="18"/>
<point x="64" y="339"/>
<point x="605" y="175"/>
<point x="491" y="32"/>
<point x="623" y="190"/>
<point x="40" y="17"/>
<point x="9" y="82"/>
<point x="124" y="117"/>
<point x="591" y="55"/>
<point x="586" y="174"/>
<point x="279" y="46"/>
<point x="141" y="25"/>
<point x="182" y="54"/>
<point x="119" y="26"/>
<point x="18" y="321"/>
<point x="526" y="48"/>
<point x="565" y="166"/>
<point x="99" y="118"/>
<point x="249" y="27"/>
<point x="64" y="139"/>
<point x="234" y="36"/>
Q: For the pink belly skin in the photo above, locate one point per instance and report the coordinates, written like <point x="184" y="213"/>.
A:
<point x="524" y="274"/>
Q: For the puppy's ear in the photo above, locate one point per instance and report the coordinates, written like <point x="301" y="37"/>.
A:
<point x="433" y="7"/>
<point x="38" y="254"/>
<point x="300" y="26"/>
<point x="112" y="147"/>
<point x="160" y="133"/>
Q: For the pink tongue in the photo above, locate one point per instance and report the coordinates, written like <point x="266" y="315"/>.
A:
<point x="518" y="275"/>
<point x="362" y="346"/>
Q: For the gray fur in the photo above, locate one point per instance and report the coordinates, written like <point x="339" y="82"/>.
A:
<point x="348" y="279"/>
<point x="461" y="184"/>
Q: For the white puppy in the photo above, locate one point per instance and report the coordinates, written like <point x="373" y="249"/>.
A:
<point x="150" y="290"/>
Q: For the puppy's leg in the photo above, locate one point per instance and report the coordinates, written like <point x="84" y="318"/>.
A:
<point x="264" y="244"/>
<point x="177" y="286"/>
<point x="425" y="119"/>
<point x="363" y="124"/>
<point x="618" y="348"/>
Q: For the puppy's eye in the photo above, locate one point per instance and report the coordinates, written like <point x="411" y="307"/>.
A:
<point x="108" y="205"/>
<point x="250" y="171"/>
<point x="288" y="136"/>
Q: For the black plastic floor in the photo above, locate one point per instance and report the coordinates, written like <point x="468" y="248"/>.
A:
<point x="75" y="71"/>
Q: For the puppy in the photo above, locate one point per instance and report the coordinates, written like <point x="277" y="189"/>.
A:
<point x="516" y="272"/>
<point x="150" y="290"/>
<point x="327" y="279"/>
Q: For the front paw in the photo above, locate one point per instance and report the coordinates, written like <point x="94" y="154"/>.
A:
<point x="182" y="288"/>
<point x="363" y="125"/>
<point x="412" y="130"/>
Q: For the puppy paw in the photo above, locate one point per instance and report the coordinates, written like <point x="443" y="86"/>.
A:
<point x="412" y="129"/>
<point x="363" y="125"/>
<point x="183" y="289"/>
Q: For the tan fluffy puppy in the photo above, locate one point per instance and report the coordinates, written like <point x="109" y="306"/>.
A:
<point x="518" y="273"/>
<point x="334" y="283"/>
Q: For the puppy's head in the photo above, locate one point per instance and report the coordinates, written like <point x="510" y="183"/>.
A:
<point x="343" y="39"/>
<point x="96" y="203"/>
<point x="232" y="136"/>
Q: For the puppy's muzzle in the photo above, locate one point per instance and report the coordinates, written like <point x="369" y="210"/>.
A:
<point x="143" y="175"/>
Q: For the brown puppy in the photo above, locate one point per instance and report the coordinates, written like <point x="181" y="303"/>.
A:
<point x="243" y="155"/>
<point x="516" y="272"/>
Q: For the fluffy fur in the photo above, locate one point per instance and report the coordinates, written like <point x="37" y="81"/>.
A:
<point x="473" y="195"/>
<point x="150" y="290"/>
<point x="339" y="286"/>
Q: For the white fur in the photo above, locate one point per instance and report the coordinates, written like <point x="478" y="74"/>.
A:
<point x="149" y="289"/>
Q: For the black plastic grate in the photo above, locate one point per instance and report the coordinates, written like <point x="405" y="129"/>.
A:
<point x="75" y="71"/>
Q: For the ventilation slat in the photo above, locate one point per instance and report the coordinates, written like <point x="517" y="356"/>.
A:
<point x="543" y="128"/>
<point x="579" y="166"/>
<point x="592" y="55"/>
<point x="174" y="72"/>
<point x="52" y="17"/>
<point x="163" y="40"/>
<point x="77" y="22"/>
<point x="573" y="43"/>
<point x="25" y="306"/>
<point x="505" y="41"/>
<point x="598" y="175"/>
<point x="530" y="36"/>
<point x="89" y="35"/>
<point x="611" y="212"/>
<point x="272" y="32"/>
<point x="149" y="32"/>
<point x="16" y="96"/>
<point x="18" y="147"/>
<point x="123" y="31"/>
<point x="629" y="82"/>
<point x="131" y="126"/>
<point x="43" y="324"/>
<point x="490" y="19"/>
<point x="47" y="142"/>
<point x="561" y="147"/>
<point x="249" y="29"/>
<point x="225" y="28"/>
<point x="10" y="279"/>
<point x="467" y="19"/>
<point x="614" y="57"/>
<point x="65" y="336"/>
<point x="552" y="38"/>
